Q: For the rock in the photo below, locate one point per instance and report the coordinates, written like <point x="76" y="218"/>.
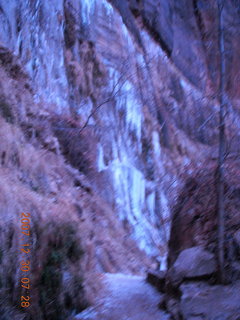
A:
<point x="88" y="314"/>
<point x="202" y="301"/>
<point x="173" y="308"/>
<point x="162" y="302"/>
<point x="194" y="262"/>
<point x="157" y="279"/>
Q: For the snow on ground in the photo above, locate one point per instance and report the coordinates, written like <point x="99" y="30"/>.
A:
<point x="125" y="297"/>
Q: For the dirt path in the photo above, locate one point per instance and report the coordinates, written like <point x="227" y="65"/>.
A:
<point x="125" y="298"/>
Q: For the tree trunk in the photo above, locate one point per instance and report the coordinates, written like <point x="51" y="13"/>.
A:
<point x="221" y="155"/>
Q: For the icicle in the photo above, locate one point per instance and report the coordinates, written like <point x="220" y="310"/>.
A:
<point x="100" y="160"/>
<point x="156" y="144"/>
<point x="88" y="7"/>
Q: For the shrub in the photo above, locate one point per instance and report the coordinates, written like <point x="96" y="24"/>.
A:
<point x="6" y="111"/>
<point x="55" y="275"/>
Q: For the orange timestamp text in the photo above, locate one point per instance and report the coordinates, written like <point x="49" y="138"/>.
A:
<point x="25" y="264"/>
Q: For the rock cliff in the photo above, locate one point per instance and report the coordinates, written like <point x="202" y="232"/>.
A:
<point x="109" y="135"/>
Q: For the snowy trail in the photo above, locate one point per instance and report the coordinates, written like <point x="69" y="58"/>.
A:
<point x="125" y="297"/>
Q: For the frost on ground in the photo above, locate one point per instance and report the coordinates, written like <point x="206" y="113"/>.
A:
<point x="125" y="297"/>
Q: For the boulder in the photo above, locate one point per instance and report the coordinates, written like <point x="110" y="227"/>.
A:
<point x="200" y="301"/>
<point x="195" y="262"/>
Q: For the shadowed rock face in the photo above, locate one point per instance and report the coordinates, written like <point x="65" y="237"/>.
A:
<point x="194" y="220"/>
<point x="187" y="32"/>
<point x="107" y="108"/>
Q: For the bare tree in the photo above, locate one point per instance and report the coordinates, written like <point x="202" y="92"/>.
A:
<point x="221" y="141"/>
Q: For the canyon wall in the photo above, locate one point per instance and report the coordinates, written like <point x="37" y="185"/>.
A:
<point x="107" y="107"/>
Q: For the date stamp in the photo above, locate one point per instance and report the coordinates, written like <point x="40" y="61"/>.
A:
<point x="25" y="264"/>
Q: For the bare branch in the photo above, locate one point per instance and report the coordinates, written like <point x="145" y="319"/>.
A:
<point x="207" y="120"/>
